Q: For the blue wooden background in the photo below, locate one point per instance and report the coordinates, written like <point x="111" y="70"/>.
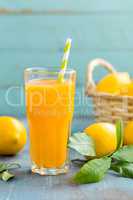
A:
<point x="32" y="33"/>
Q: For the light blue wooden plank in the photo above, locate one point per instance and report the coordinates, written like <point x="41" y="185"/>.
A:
<point x="15" y="4"/>
<point x="13" y="63"/>
<point x="12" y="102"/>
<point x="83" y="5"/>
<point x="102" y="32"/>
<point x="75" y="5"/>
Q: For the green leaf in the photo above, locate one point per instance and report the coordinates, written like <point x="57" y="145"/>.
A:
<point x="6" y="175"/>
<point x="119" y="133"/>
<point x="123" y="168"/>
<point x="93" y="171"/>
<point x="3" y="167"/>
<point x="83" y="144"/>
<point x="6" y="166"/>
<point x="125" y="153"/>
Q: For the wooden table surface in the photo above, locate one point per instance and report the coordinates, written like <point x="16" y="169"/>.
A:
<point x="27" y="186"/>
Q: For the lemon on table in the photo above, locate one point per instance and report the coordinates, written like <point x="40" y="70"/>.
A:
<point x="128" y="133"/>
<point x="104" y="136"/>
<point x="12" y="135"/>
<point x="114" y="83"/>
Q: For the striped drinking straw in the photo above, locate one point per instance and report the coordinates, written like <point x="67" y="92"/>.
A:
<point x="65" y="59"/>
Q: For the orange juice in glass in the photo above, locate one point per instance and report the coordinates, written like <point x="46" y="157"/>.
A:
<point x="49" y="107"/>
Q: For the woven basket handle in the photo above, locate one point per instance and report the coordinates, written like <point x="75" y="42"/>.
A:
<point x="90" y="84"/>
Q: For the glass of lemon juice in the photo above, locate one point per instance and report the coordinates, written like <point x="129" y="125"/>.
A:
<point x="49" y="105"/>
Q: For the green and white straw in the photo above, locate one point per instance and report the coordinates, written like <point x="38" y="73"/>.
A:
<point x="64" y="62"/>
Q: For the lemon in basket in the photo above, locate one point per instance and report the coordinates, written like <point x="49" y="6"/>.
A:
<point x="104" y="135"/>
<point x="128" y="133"/>
<point x="129" y="90"/>
<point x="114" y="83"/>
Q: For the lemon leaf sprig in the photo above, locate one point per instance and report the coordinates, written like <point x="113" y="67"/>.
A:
<point x="94" y="170"/>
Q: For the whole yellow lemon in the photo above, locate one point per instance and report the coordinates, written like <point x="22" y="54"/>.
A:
<point x="12" y="135"/>
<point x="104" y="136"/>
<point x="114" y="83"/>
<point x="128" y="133"/>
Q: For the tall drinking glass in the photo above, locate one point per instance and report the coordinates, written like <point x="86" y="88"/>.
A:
<point x="49" y="107"/>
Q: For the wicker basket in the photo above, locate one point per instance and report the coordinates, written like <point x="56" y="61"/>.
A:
<point x="107" y="107"/>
